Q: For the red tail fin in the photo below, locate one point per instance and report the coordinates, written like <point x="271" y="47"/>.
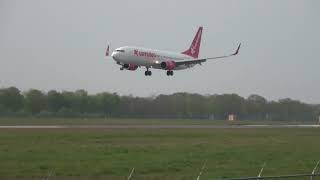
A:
<point x="107" y="51"/>
<point x="194" y="49"/>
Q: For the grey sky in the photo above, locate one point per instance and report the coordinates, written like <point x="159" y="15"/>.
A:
<point x="60" y="45"/>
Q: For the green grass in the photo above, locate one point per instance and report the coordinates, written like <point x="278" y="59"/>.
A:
<point x="155" y="153"/>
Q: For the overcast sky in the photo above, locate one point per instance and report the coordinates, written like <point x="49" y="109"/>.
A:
<point x="60" y="44"/>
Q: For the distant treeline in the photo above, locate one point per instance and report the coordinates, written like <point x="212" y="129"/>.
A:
<point x="177" y="105"/>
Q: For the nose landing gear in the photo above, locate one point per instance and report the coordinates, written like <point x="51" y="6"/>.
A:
<point x="147" y="72"/>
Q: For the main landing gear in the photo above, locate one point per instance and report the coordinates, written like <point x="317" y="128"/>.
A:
<point x="147" y="72"/>
<point x="169" y="73"/>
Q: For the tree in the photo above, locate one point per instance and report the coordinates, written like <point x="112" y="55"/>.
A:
<point x="81" y="101"/>
<point x="76" y="101"/>
<point x="107" y="102"/>
<point x="177" y="105"/>
<point x="229" y="103"/>
<point x="55" y="101"/>
<point x="35" y="101"/>
<point x="11" y="99"/>
<point x="256" y="107"/>
<point x="295" y="110"/>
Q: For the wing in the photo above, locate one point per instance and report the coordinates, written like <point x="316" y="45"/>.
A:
<point x="199" y="61"/>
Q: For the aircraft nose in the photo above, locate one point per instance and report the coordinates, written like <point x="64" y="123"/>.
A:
<point x="114" y="55"/>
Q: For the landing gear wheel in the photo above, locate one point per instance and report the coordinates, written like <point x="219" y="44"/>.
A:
<point x="147" y="73"/>
<point x="121" y="68"/>
<point x="169" y="73"/>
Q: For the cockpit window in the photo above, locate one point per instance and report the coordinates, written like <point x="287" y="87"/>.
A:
<point x="120" y="50"/>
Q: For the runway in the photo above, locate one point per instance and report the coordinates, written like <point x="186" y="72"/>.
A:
<point x="154" y="126"/>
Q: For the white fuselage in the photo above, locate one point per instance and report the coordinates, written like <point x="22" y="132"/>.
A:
<point x="147" y="57"/>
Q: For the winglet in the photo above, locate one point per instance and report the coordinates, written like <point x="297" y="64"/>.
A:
<point x="107" y="51"/>
<point x="237" y="51"/>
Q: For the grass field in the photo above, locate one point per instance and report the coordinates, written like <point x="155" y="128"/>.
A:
<point x="166" y="154"/>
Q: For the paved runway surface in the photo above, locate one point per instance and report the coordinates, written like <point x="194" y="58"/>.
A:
<point x="153" y="126"/>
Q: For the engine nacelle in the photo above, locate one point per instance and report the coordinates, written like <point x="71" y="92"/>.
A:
<point x="168" y="65"/>
<point x="130" y="67"/>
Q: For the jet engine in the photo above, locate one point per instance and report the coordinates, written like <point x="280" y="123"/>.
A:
<point x="168" y="65"/>
<point x="130" y="67"/>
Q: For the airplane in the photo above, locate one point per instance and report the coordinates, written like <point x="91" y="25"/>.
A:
<point x="130" y="57"/>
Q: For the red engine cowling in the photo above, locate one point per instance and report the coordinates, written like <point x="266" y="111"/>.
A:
<point x="168" y="65"/>
<point x="130" y="67"/>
